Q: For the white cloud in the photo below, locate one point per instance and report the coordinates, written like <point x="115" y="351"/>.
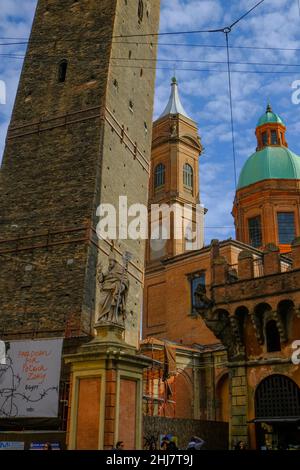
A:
<point x="205" y="95"/>
<point x="273" y="24"/>
<point x="177" y="14"/>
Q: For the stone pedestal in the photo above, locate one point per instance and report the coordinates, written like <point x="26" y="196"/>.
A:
<point x="220" y="271"/>
<point x="106" y="392"/>
<point x="245" y="265"/>
<point x="271" y="259"/>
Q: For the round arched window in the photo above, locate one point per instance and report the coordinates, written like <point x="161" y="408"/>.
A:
<point x="188" y="176"/>
<point x="159" y="175"/>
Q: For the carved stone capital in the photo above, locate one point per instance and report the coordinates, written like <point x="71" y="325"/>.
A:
<point x="226" y="330"/>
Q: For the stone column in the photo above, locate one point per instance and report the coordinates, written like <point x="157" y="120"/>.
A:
<point x="110" y="405"/>
<point x="196" y="387"/>
<point x="238" y="428"/>
<point x="220" y="271"/>
<point x="106" y="395"/>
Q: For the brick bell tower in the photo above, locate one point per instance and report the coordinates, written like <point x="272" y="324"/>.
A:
<point x="80" y="134"/>
<point x="174" y="179"/>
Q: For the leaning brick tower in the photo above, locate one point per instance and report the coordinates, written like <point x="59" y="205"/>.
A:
<point x="80" y="134"/>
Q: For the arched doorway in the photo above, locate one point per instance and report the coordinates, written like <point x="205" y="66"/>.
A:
<point x="222" y="395"/>
<point x="277" y="409"/>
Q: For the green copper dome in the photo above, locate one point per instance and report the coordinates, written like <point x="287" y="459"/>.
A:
<point x="269" y="116"/>
<point x="270" y="163"/>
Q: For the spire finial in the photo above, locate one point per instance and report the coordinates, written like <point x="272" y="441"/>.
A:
<point x="174" y="79"/>
<point x="269" y="107"/>
<point x="174" y="105"/>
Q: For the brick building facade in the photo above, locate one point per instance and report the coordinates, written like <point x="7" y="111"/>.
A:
<point x="235" y="304"/>
<point x="219" y="321"/>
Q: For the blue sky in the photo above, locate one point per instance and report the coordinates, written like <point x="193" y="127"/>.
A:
<point x="274" y="24"/>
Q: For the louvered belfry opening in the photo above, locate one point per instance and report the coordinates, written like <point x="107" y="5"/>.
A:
<point x="277" y="396"/>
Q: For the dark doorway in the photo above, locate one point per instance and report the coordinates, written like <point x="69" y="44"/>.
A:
<point x="277" y="407"/>
<point x="272" y="337"/>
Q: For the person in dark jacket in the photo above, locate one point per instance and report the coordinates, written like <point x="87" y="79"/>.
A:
<point x="196" y="443"/>
<point x="47" y="446"/>
<point x="119" y="445"/>
<point x="240" y="445"/>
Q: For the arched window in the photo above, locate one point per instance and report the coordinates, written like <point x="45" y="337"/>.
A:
<point x="159" y="175"/>
<point x="62" y="71"/>
<point x="241" y="314"/>
<point x="272" y="337"/>
<point x="265" y="138"/>
<point x="274" y="138"/>
<point x="255" y="231"/>
<point x="188" y="176"/>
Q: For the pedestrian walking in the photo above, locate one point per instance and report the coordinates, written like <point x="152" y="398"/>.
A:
<point x="195" y="443"/>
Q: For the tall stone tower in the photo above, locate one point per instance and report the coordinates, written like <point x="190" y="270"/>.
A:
<point x="174" y="180"/>
<point x="80" y="135"/>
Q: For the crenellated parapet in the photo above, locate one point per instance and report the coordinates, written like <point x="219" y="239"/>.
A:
<point x="250" y="266"/>
<point x="296" y="253"/>
<point x="265" y="290"/>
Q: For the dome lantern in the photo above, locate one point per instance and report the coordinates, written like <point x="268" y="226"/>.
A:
<point x="270" y="130"/>
<point x="267" y="204"/>
<point x="272" y="159"/>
